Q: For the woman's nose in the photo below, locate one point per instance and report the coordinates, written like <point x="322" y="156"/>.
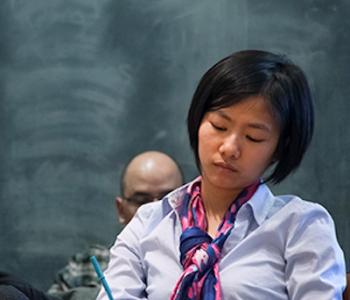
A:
<point x="230" y="148"/>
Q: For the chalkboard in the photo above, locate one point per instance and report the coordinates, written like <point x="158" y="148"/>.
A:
<point x="85" y="84"/>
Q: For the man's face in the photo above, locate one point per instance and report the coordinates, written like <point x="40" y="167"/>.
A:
<point x="138" y="198"/>
<point x="144" y="186"/>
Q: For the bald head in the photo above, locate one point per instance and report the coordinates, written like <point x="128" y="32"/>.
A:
<point x="148" y="176"/>
<point x="151" y="171"/>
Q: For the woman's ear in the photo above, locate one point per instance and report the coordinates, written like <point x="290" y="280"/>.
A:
<point x="275" y="157"/>
<point x="273" y="161"/>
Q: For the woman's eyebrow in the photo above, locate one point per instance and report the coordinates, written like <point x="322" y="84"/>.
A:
<point x="223" y="114"/>
<point x="261" y="126"/>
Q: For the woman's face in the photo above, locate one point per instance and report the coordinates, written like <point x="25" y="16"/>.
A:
<point x="236" y="144"/>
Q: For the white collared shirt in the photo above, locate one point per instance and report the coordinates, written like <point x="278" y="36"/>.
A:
<point x="280" y="248"/>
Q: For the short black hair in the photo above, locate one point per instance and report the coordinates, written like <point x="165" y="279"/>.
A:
<point x="259" y="73"/>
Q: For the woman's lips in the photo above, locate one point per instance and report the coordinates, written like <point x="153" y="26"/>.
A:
<point x="226" y="166"/>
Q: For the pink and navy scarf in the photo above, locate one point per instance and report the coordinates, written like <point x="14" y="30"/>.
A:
<point x="200" y="254"/>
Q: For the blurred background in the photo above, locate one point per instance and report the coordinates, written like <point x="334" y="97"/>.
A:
<point x="86" y="84"/>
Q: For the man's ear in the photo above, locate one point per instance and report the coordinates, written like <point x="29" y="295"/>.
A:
<point x="120" y="210"/>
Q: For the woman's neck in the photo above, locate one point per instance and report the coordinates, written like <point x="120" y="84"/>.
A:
<point x="216" y="203"/>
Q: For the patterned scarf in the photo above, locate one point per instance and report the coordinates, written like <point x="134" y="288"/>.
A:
<point x="200" y="254"/>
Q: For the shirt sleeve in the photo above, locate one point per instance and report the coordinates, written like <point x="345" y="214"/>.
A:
<point x="315" y="267"/>
<point x="125" y="272"/>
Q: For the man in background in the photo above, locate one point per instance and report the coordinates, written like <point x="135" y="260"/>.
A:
<point x="147" y="177"/>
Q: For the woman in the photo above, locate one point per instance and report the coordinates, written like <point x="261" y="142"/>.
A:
<point x="225" y="235"/>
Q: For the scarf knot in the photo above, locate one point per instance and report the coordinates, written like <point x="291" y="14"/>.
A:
<point x="196" y="249"/>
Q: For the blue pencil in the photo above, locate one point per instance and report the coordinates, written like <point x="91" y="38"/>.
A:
<point x="101" y="277"/>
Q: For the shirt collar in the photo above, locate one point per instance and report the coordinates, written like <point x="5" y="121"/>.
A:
<point x="175" y="197"/>
<point x="260" y="203"/>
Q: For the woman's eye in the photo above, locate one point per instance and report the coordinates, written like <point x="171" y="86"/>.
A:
<point x="254" y="139"/>
<point x="218" y="127"/>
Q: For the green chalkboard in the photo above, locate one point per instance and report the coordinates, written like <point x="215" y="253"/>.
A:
<point x="86" y="84"/>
